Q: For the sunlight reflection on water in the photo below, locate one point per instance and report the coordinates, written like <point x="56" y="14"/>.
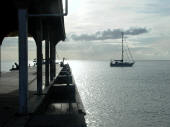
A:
<point x="124" y="97"/>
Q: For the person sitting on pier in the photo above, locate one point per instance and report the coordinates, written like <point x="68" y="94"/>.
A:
<point x="17" y="66"/>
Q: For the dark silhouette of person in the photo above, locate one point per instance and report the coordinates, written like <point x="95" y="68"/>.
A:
<point x="17" y="66"/>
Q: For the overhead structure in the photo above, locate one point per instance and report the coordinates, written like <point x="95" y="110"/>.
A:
<point x="43" y="20"/>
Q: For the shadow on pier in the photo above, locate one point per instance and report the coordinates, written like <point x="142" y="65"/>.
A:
<point x="62" y="106"/>
<point x="59" y="106"/>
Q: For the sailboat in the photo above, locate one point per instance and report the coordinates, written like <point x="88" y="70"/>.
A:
<point x="122" y="62"/>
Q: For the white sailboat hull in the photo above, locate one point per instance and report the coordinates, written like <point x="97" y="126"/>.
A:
<point x="122" y="64"/>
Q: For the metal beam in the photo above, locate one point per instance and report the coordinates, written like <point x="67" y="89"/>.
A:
<point x="54" y="64"/>
<point x="46" y="15"/>
<point x="39" y="61"/>
<point x="39" y="68"/>
<point x="52" y="15"/>
<point x="23" y="61"/>
<point x="51" y="61"/>
<point x="47" y="62"/>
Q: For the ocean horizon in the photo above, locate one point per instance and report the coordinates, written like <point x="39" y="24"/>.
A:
<point x="6" y="65"/>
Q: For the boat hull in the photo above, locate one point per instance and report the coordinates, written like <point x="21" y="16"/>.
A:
<point x="125" y="64"/>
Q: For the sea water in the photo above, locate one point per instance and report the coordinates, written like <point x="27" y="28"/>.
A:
<point x="137" y="96"/>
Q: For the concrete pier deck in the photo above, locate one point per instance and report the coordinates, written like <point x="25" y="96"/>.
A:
<point x="9" y="94"/>
<point x="60" y="105"/>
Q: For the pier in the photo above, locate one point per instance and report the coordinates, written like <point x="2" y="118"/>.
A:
<point x="44" y="95"/>
<point x="59" y="105"/>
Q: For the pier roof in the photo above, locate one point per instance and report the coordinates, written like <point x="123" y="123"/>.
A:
<point x="40" y="28"/>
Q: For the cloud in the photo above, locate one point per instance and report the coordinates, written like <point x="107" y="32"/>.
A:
<point x="108" y="34"/>
<point x="136" y="31"/>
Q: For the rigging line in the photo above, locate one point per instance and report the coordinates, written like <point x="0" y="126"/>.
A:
<point x="128" y="58"/>
<point x="130" y="53"/>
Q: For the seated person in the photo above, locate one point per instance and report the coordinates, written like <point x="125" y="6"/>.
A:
<point x="17" y="66"/>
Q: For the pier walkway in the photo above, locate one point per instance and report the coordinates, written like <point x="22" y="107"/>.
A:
<point x="9" y="93"/>
<point x="60" y="105"/>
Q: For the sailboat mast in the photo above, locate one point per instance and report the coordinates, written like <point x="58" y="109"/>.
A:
<point x="122" y="46"/>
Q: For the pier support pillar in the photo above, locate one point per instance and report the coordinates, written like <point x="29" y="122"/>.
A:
<point x="52" y="61"/>
<point x="23" y="61"/>
<point x="0" y="60"/>
<point x="54" y="64"/>
<point x="51" y="77"/>
<point x="39" y="67"/>
<point x="47" y="62"/>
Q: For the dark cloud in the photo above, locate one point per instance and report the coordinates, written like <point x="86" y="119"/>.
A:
<point x="136" y="31"/>
<point x="108" y="34"/>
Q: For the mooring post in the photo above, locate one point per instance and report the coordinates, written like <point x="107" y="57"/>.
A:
<point x="23" y="61"/>
<point x="47" y="62"/>
<point x="39" y="68"/>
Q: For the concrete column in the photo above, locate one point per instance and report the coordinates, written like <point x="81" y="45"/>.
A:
<point x="51" y="61"/>
<point x="54" y="61"/>
<point x="47" y="63"/>
<point x="39" y="67"/>
<point x="0" y="60"/>
<point x="23" y="61"/>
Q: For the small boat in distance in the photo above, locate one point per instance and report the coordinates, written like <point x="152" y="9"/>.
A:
<point x="122" y="62"/>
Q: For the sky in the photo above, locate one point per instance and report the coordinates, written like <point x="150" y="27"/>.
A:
<point x="93" y="29"/>
<point x="90" y="22"/>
